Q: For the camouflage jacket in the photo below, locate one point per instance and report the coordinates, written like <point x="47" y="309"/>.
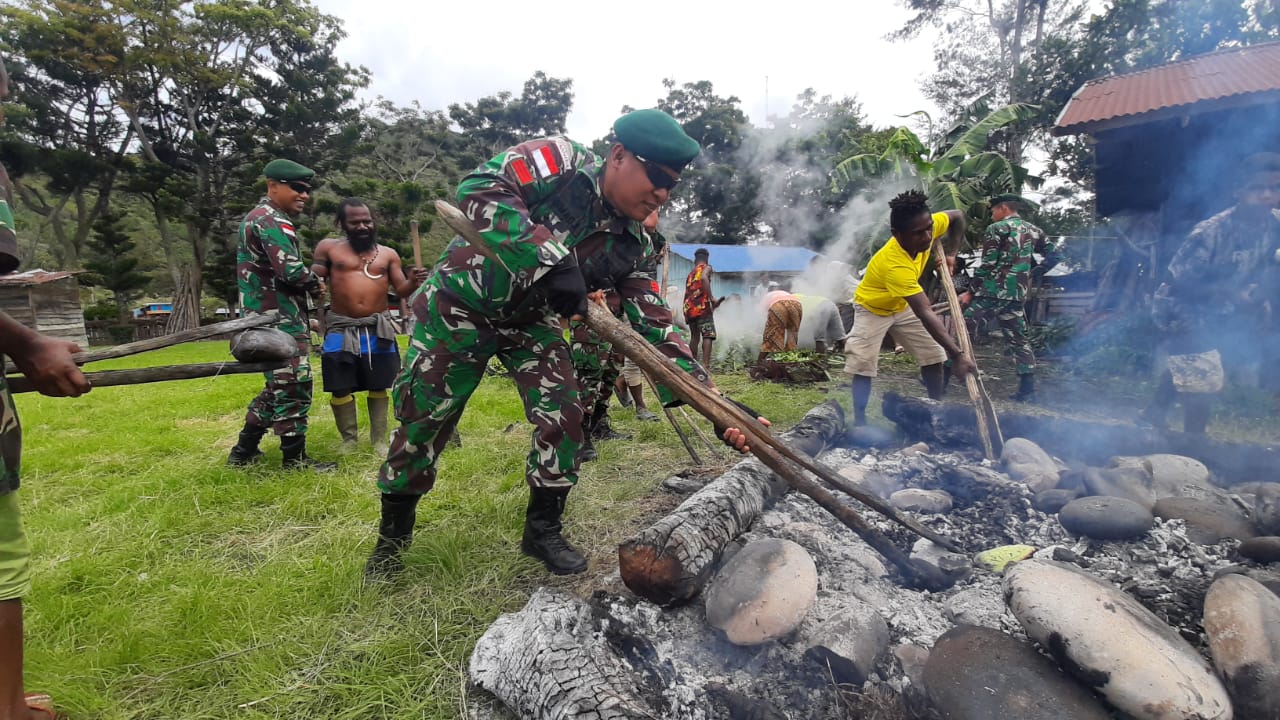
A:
<point x="1225" y="254"/>
<point x="532" y="204"/>
<point x="270" y="271"/>
<point x="1008" y="247"/>
<point x="10" y="429"/>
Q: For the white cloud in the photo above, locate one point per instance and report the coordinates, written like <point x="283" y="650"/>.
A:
<point x="618" y="54"/>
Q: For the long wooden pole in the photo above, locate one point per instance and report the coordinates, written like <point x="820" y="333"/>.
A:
<point x="417" y="243"/>
<point x="164" y="341"/>
<point x="988" y="423"/>
<point x="137" y="376"/>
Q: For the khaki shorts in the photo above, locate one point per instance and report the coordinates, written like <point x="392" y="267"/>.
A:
<point x="631" y="373"/>
<point x="862" y="344"/>
<point x="15" y="551"/>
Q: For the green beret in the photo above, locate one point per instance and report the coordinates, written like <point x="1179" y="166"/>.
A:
<point x="657" y="137"/>
<point x="287" y="170"/>
<point x="1007" y="198"/>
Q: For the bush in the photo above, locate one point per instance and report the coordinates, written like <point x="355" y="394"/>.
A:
<point x="102" y="311"/>
<point x="120" y="334"/>
<point x="1122" y="344"/>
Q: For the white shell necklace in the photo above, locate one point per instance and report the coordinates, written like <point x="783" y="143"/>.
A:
<point x="369" y="262"/>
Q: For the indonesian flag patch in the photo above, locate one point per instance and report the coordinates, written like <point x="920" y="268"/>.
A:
<point x="521" y="170"/>
<point x="545" y="159"/>
<point x="287" y="229"/>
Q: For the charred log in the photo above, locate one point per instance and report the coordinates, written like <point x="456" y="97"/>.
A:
<point x="671" y="561"/>
<point x="1092" y="443"/>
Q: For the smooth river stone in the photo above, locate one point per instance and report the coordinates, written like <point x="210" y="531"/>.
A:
<point x="1105" y="518"/>
<point x="1242" y="622"/>
<point x="1113" y="644"/>
<point x="763" y="592"/>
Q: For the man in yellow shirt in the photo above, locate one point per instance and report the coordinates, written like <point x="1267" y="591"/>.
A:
<point x="890" y="300"/>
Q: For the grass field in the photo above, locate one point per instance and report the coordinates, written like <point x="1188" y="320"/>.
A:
<point x="170" y="586"/>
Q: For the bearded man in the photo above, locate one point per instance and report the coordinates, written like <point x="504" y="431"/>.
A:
<point x="359" y="353"/>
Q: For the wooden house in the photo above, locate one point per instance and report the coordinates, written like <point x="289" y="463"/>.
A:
<point x="47" y="302"/>
<point x="738" y="268"/>
<point x="1167" y="145"/>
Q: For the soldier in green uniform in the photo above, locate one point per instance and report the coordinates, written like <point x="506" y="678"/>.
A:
<point x="48" y="365"/>
<point x="552" y="214"/>
<point x="1001" y="282"/>
<point x="1221" y="298"/>
<point x="273" y="276"/>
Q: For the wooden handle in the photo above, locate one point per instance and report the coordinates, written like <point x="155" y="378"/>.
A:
<point x="136" y="376"/>
<point x="417" y="243"/>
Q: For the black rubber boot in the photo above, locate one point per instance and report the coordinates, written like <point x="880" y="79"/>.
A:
<point x="542" y="538"/>
<point x="1026" y="388"/>
<point x="294" y="448"/>
<point x="395" y="533"/>
<point x="246" y="450"/>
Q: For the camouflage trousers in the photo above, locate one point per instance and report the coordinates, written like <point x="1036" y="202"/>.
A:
<point x="1012" y="318"/>
<point x="446" y="360"/>
<point x="284" y="403"/>
<point x="596" y="365"/>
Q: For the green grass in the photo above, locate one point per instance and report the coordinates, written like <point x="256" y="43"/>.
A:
<point x="170" y="586"/>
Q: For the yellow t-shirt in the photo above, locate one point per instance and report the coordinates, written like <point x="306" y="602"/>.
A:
<point x="892" y="275"/>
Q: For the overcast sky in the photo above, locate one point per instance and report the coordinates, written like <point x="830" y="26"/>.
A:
<point x="618" y="54"/>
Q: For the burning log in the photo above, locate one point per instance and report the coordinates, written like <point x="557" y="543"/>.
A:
<point x="670" y="562"/>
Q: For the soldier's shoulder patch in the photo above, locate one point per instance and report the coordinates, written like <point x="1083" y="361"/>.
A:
<point x="541" y="160"/>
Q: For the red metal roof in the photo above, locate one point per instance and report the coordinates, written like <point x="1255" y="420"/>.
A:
<point x="1229" y="78"/>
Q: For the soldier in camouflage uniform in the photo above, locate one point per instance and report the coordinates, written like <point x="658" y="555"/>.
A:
<point x="273" y="276"/>
<point x="47" y="363"/>
<point x="553" y="214"/>
<point x="1001" y="281"/>
<point x="1222" y="296"/>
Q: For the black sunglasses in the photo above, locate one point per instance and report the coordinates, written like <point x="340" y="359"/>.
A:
<point x="659" y="178"/>
<point x="300" y="187"/>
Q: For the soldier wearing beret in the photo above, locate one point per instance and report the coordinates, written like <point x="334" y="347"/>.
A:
<point x="48" y="365"/>
<point x="1001" y="281"/>
<point x="272" y="275"/>
<point x="560" y="221"/>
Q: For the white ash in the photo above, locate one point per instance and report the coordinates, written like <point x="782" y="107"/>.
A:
<point x="1164" y="570"/>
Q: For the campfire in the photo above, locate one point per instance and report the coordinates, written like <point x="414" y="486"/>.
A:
<point x="1135" y="588"/>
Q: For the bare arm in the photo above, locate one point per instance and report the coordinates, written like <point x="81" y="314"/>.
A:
<point x="320" y="261"/>
<point x="44" y="360"/>
<point x="404" y="285"/>
<point x="919" y="303"/>
<point x="955" y="231"/>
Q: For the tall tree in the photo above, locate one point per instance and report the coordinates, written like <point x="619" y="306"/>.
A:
<point x="496" y="122"/>
<point x="717" y="196"/>
<point x="65" y="141"/>
<point x="112" y="262"/>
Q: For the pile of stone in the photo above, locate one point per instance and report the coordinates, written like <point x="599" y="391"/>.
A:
<point x="1140" y="589"/>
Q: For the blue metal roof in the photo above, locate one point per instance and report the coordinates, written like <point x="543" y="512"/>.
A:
<point x="750" y="258"/>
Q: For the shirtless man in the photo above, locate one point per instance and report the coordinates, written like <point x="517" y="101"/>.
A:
<point x="359" y="351"/>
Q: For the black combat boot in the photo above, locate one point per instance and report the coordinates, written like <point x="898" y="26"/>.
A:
<point x="294" y="448"/>
<point x="542" y="538"/>
<point x="246" y="451"/>
<point x="1026" y="388"/>
<point x="395" y="533"/>
<point x="599" y="428"/>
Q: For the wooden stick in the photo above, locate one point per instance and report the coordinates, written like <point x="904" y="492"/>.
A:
<point x="200" y="333"/>
<point x="684" y="440"/>
<point x="983" y="410"/>
<point x="701" y="435"/>
<point x="164" y="373"/>
<point x="417" y="243"/>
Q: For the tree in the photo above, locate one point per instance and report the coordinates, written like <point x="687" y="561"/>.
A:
<point x="958" y="174"/>
<point x="112" y="263"/>
<point x="987" y="48"/>
<point x="717" y="196"/>
<point x="494" y="123"/>
<point x="64" y="129"/>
